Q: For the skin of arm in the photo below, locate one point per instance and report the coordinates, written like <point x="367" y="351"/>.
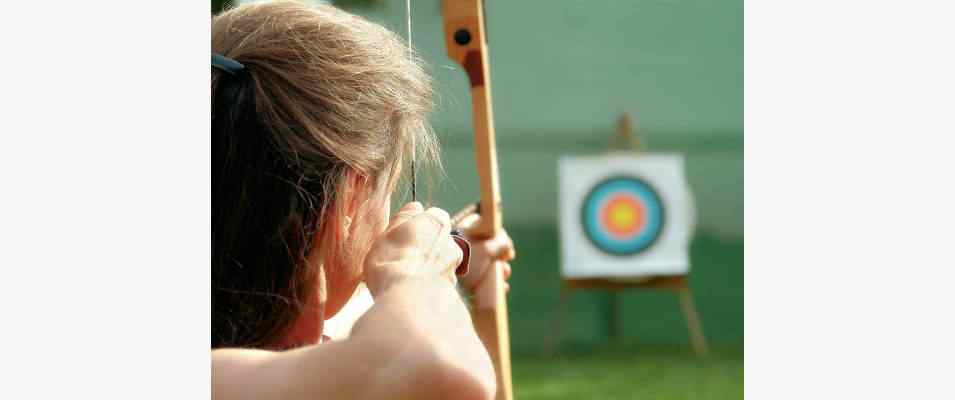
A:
<point x="416" y="342"/>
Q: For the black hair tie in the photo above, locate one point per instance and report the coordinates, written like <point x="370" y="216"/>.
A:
<point x="227" y="65"/>
<point x="231" y="85"/>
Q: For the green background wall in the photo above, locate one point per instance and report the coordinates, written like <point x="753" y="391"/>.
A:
<point x="562" y="71"/>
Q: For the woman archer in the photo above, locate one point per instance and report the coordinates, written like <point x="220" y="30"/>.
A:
<point x="315" y="111"/>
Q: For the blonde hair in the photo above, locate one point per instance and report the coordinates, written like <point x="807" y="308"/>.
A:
<point x="329" y="99"/>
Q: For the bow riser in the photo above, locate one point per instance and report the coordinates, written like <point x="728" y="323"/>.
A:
<point x="466" y="43"/>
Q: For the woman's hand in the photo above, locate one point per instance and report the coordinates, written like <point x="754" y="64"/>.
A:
<point x="419" y="322"/>
<point x="416" y="244"/>
<point x="484" y="252"/>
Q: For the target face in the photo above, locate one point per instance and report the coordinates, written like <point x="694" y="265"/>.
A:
<point x="622" y="215"/>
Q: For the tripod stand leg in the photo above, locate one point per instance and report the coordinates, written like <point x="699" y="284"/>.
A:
<point x="550" y="343"/>
<point x="693" y="322"/>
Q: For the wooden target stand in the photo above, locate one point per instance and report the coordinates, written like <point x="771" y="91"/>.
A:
<point x="625" y="139"/>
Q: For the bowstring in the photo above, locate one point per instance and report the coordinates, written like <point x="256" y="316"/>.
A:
<point x="414" y="150"/>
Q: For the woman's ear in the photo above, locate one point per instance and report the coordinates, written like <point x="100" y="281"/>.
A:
<point x="346" y="227"/>
<point x="356" y="188"/>
<point x="354" y="195"/>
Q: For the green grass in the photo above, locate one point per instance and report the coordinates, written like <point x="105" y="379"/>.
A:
<point x="624" y="372"/>
<point x="652" y="358"/>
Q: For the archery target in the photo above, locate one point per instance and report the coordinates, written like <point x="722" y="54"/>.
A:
<point x="624" y="215"/>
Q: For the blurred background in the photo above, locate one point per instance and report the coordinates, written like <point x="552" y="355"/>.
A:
<point x="562" y="72"/>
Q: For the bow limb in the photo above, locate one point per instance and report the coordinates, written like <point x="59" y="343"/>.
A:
<point x="466" y="42"/>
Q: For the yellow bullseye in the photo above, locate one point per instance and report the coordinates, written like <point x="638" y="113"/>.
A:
<point x="623" y="217"/>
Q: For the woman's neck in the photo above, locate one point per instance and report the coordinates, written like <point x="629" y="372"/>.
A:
<point x="308" y="327"/>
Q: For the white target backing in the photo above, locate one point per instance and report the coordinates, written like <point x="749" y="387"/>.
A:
<point x="624" y="215"/>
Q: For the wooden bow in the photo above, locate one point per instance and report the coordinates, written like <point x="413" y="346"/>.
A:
<point x="466" y="40"/>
